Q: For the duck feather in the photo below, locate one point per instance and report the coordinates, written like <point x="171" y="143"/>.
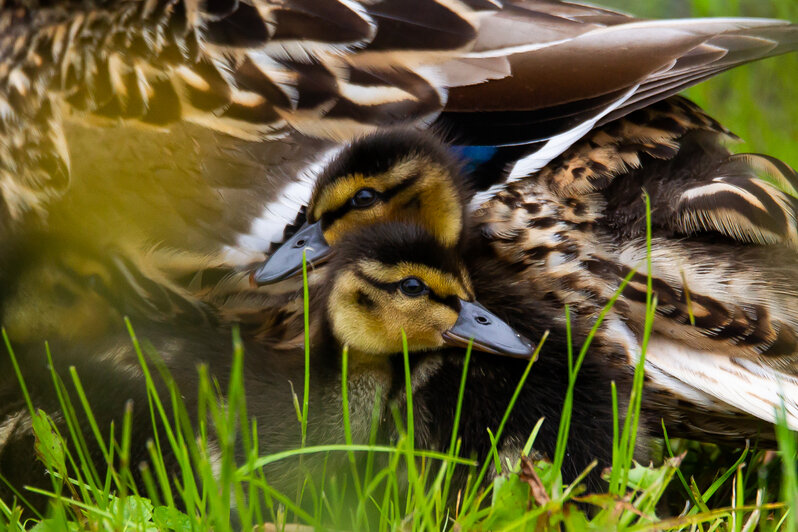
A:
<point x="237" y="73"/>
<point x="722" y="271"/>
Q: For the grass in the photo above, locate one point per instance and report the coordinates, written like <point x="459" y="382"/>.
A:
<point x="388" y="487"/>
<point x="755" y="101"/>
<point x="410" y="489"/>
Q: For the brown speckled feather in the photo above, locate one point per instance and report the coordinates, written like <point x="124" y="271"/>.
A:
<point x="167" y="103"/>
<point x="723" y="263"/>
<point x="614" y="149"/>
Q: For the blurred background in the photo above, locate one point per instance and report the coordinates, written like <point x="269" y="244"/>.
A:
<point x="759" y="102"/>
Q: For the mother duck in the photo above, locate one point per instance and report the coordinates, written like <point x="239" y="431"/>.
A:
<point x="189" y="123"/>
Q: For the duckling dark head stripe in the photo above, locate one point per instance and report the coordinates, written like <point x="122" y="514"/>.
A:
<point x="377" y="154"/>
<point x="396" y="243"/>
<point x="328" y="218"/>
<point x="450" y="301"/>
<point x="385" y="287"/>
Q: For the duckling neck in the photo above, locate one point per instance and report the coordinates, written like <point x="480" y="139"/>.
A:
<point x="369" y="382"/>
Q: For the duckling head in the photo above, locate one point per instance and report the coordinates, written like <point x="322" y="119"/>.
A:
<point x="394" y="277"/>
<point x="395" y="175"/>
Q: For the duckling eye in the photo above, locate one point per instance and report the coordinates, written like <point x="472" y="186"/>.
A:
<point x="413" y="287"/>
<point x="365" y="197"/>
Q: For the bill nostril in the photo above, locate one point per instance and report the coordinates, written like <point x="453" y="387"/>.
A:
<point x="299" y="243"/>
<point x="482" y="320"/>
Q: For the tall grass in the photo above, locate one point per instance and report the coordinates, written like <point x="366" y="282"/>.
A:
<point x="411" y="489"/>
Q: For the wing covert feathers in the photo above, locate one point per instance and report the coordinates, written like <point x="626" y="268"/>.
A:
<point x="335" y="69"/>
<point x="736" y="202"/>
<point x="725" y="333"/>
<point x="615" y="149"/>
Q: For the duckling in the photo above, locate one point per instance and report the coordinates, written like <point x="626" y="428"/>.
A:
<point x="386" y="280"/>
<point x="178" y="121"/>
<point x="570" y="233"/>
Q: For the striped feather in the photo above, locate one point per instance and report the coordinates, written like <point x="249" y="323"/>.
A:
<point x="738" y="203"/>
<point x="333" y="70"/>
<point x="743" y="303"/>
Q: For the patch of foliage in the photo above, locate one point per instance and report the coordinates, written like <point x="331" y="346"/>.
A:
<point x="411" y="489"/>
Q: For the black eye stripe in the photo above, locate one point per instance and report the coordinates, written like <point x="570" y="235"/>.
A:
<point x="329" y="218"/>
<point x="450" y="301"/>
<point x="393" y="191"/>
<point x="385" y="287"/>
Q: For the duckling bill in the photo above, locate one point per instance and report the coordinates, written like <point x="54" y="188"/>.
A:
<point x="307" y="244"/>
<point x="487" y="331"/>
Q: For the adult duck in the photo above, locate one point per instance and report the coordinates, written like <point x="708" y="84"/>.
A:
<point x="189" y="123"/>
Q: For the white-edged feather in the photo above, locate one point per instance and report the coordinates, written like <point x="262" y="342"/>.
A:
<point x="555" y="146"/>
<point x="737" y="382"/>
<point x="269" y="226"/>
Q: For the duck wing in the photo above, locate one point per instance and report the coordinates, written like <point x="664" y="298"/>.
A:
<point x="748" y="197"/>
<point x="725" y="333"/>
<point x="676" y="153"/>
<point x="192" y="95"/>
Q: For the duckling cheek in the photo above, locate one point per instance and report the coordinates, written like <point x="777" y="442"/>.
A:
<point x="360" y="318"/>
<point x="426" y="328"/>
<point x="360" y="331"/>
